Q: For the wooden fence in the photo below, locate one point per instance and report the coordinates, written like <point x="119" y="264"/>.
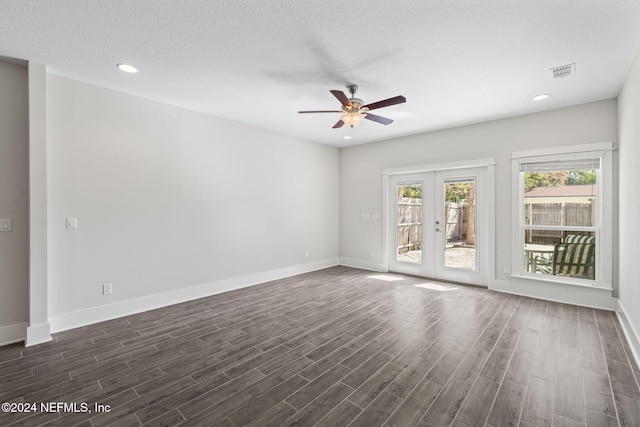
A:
<point x="557" y="214"/>
<point x="410" y="223"/>
<point x="456" y="216"/>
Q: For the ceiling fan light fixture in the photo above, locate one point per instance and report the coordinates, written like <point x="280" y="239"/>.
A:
<point x="352" y="118"/>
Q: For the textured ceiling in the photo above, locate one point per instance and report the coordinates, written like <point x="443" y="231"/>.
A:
<point x="259" y="62"/>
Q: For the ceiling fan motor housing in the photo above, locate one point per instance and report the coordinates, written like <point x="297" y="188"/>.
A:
<point x="356" y="104"/>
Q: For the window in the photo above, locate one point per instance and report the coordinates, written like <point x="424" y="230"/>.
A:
<point x="563" y="218"/>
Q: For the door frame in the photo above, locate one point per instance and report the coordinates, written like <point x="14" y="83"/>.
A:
<point x="480" y="276"/>
<point x="489" y="199"/>
<point x="427" y="264"/>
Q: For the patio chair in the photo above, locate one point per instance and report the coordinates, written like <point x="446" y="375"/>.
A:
<point x="573" y="258"/>
<point x="574" y="238"/>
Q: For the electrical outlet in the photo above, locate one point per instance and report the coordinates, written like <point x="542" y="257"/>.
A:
<point x="107" y="288"/>
<point x="507" y="269"/>
<point x="370" y="252"/>
<point x="306" y="254"/>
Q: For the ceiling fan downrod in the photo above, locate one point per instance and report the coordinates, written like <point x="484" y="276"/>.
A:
<point x="357" y="102"/>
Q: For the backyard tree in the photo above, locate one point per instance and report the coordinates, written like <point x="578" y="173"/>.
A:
<point x="581" y="177"/>
<point x="458" y="192"/>
<point x="558" y="178"/>
<point x="412" y="191"/>
<point x="545" y="179"/>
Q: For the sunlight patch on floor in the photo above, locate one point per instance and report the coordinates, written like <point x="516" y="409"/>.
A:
<point x="436" y="287"/>
<point x="385" y="277"/>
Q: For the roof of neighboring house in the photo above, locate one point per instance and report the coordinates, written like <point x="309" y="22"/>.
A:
<point x="587" y="190"/>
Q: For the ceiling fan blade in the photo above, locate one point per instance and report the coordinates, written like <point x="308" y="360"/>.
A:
<point x="338" y="125"/>
<point x="321" y="111"/>
<point x="379" y="119"/>
<point x="342" y="97"/>
<point x="386" y="102"/>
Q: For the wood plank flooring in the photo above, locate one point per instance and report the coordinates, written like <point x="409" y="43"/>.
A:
<point x="335" y="347"/>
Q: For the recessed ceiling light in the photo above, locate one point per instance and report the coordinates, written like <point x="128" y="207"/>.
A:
<point x="541" y="97"/>
<point x="127" y="68"/>
<point x="347" y="137"/>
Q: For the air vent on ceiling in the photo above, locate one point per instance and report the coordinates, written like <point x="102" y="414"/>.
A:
<point x="563" y="71"/>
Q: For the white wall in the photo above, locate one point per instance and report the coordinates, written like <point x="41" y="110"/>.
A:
<point x="167" y="199"/>
<point x="361" y="180"/>
<point x="629" y="225"/>
<point x="14" y="201"/>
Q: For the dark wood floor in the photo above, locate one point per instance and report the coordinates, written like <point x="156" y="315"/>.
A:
<point x="334" y="348"/>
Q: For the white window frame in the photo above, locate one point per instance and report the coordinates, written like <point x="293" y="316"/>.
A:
<point x="604" y="228"/>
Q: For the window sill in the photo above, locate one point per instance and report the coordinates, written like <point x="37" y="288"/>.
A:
<point x="592" y="284"/>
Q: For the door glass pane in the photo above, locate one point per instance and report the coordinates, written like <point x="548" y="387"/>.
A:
<point x="409" y="222"/>
<point x="460" y="223"/>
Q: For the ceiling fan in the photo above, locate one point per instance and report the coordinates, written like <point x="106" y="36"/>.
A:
<point x="354" y="109"/>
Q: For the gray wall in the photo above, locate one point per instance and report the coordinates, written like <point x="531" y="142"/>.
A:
<point x="629" y="220"/>
<point x="167" y="199"/>
<point x="14" y="194"/>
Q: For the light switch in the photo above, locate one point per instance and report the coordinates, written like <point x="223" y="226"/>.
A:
<point x="107" y="288"/>
<point x="72" y="223"/>
<point x="5" y="224"/>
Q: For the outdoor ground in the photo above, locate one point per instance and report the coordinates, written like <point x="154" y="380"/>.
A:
<point x="455" y="256"/>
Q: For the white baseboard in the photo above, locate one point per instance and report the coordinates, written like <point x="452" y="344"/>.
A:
<point x="565" y="294"/>
<point x="75" y="319"/>
<point x="10" y="334"/>
<point x="364" y="265"/>
<point x="630" y="332"/>
<point x="38" y="334"/>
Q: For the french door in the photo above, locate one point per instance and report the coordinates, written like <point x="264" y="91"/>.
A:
<point x="438" y="225"/>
